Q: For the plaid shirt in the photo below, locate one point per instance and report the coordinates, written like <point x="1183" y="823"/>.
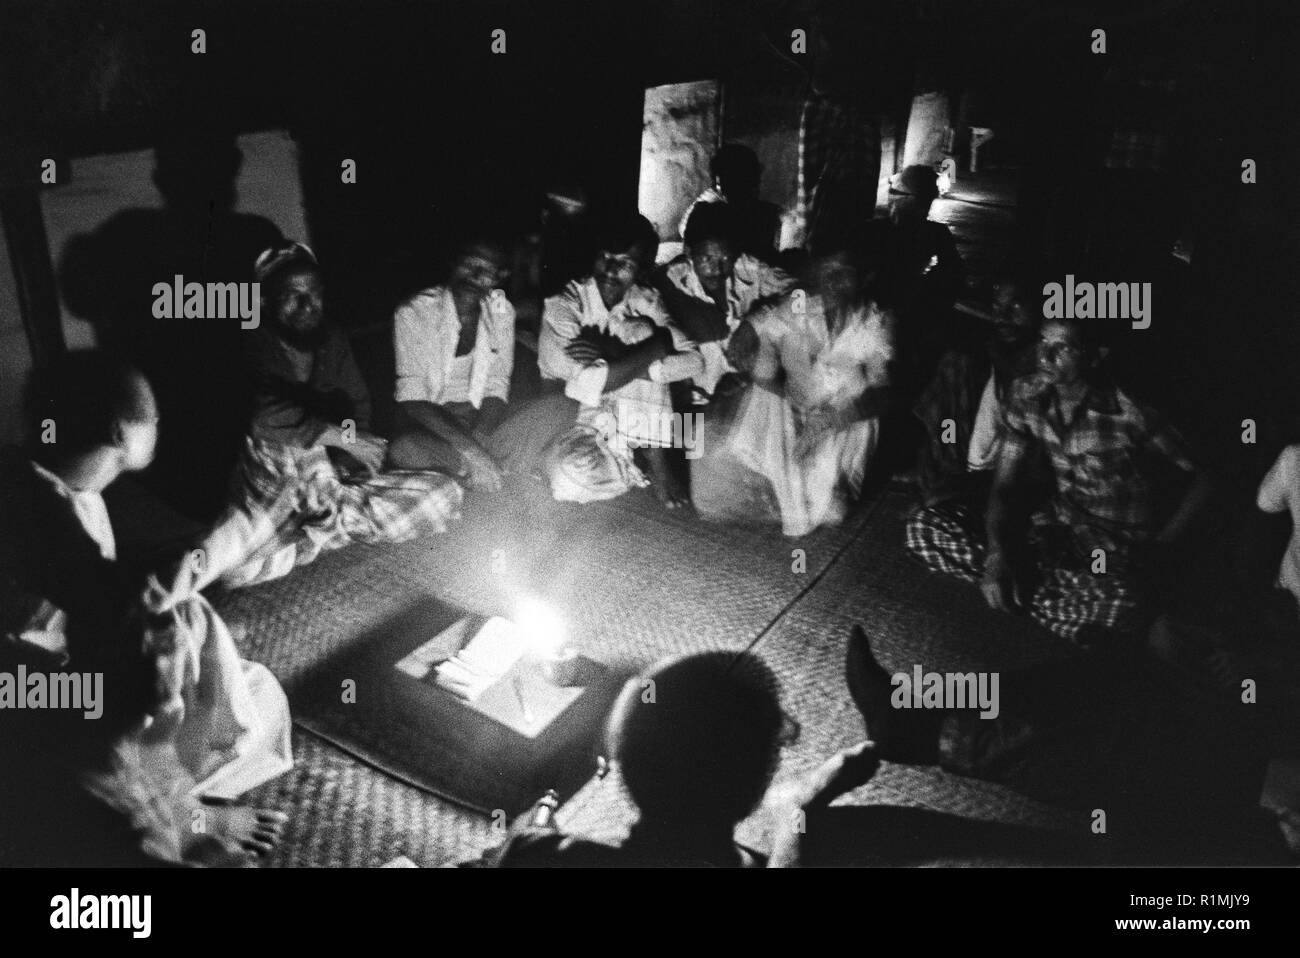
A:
<point x="1100" y="460"/>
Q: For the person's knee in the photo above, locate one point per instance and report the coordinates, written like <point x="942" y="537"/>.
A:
<point x="412" y="450"/>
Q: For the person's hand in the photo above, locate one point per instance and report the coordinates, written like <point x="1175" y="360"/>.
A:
<point x="484" y="473"/>
<point x="582" y="352"/>
<point x="789" y="802"/>
<point x="831" y="418"/>
<point x="177" y="581"/>
<point x="639" y="328"/>
<point x="809" y="436"/>
<point x="842" y="772"/>
<point x="817" y="423"/>
<point x="742" y="348"/>
<point x="1004" y="584"/>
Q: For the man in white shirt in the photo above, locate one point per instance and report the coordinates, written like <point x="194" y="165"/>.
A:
<point x="1280" y="492"/>
<point x="712" y="287"/>
<point x="223" y="726"/>
<point x="610" y="341"/>
<point x="811" y="422"/>
<point x="454" y="347"/>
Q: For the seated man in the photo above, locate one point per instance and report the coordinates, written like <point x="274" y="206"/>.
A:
<point x="91" y="421"/>
<point x="696" y="758"/>
<point x="961" y="408"/>
<point x="1178" y="779"/>
<point x="609" y="340"/>
<point x="455" y="349"/>
<point x="808" y="426"/>
<point x="736" y="176"/>
<point x="712" y="287"/>
<point x="310" y="477"/>
<point x="923" y="271"/>
<point x="1074" y="566"/>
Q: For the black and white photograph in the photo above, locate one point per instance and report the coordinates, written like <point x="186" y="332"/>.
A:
<point x="482" y="434"/>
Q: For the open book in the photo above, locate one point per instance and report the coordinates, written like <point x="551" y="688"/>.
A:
<point x="467" y="665"/>
<point x="492" y="671"/>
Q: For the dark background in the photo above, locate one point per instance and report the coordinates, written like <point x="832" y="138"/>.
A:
<point x="439" y="125"/>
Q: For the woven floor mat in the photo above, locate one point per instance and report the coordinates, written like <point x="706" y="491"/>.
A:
<point x="636" y="584"/>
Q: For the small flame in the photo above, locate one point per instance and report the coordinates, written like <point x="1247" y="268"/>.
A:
<point x="540" y="625"/>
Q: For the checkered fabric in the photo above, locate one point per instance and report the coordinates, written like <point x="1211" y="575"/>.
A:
<point x="948" y="538"/>
<point x="1103" y="491"/>
<point x="839" y="144"/>
<point x="312" y="508"/>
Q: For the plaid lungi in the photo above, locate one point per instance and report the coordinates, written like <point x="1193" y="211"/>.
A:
<point x="293" y="504"/>
<point x="839" y="161"/>
<point x="1068" y="598"/>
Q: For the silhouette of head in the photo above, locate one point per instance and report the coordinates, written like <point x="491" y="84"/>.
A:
<point x="912" y="194"/>
<point x="86" y="404"/>
<point x="198" y="172"/>
<point x="736" y="170"/>
<point x="697" y="739"/>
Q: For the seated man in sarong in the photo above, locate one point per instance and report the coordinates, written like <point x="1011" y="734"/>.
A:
<point x="455" y="348"/>
<point x="224" y="727"/>
<point x="1079" y="566"/>
<point x="806" y="430"/>
<point x="610" y="341"/>
<point x="712" y="287"/>
<point x="310" y="479"/>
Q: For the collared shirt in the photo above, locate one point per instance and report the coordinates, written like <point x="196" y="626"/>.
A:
<point x="1280" y="492"/>
<point x="48" y="625"/>
<point x="89" y="508"/>
<point x="631" y="321"/>
<point x="986" y="434"/>
<point x="1100" y="459"/>
<point x="425" y="331"/>
<point x="751" y="282"/>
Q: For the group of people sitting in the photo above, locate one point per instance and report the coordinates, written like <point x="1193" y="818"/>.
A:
<point x="1038" y="476"/>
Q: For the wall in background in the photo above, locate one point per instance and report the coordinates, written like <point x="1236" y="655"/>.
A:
<point x="679" y="135"/>
<point x="15" y="356"/>
<point x="101" y="186"/>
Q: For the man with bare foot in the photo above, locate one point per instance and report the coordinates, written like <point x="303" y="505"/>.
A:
<point x="101" y="793"/>
<point x="221" y="726"/>
<point x="1174" y="779"/>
